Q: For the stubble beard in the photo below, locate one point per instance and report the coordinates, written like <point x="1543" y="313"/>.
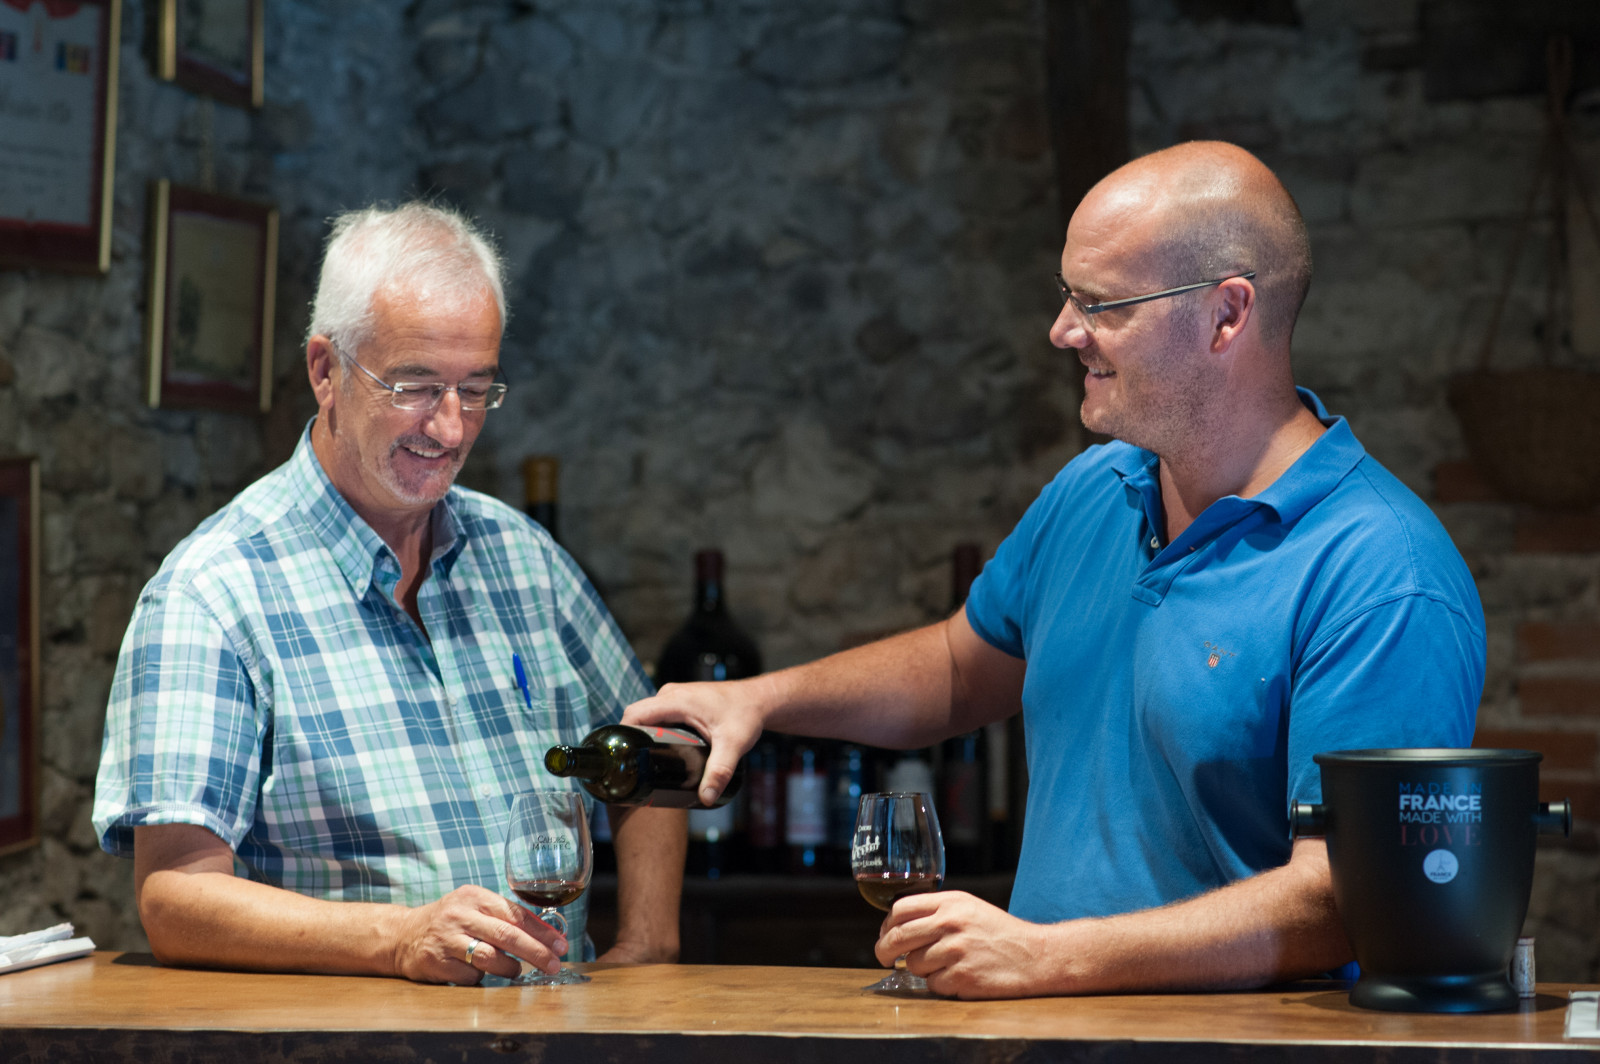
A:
<point x="420" y="491"/>
<point x="1165" y="416"/>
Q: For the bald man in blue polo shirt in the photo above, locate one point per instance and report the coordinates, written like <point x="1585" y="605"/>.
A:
<point x="1184" y="617"/>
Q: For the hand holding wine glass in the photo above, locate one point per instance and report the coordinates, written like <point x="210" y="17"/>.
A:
<point x="896" y="850"/>
<point x="549" y="859"/>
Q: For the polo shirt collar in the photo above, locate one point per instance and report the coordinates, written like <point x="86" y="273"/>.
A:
<point x="359" y="552"/>
<point x="1312" y="476"/>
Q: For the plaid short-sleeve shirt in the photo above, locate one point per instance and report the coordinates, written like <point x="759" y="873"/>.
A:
<point x="271" y="689"/>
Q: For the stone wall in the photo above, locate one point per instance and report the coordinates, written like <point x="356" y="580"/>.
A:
<point x="780" y="284"/>
<point x="720" y="212"/>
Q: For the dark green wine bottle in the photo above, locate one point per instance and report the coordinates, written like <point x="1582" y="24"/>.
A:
<point x="623" y="765"/>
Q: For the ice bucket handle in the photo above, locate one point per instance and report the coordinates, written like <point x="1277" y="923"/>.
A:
<point x="1554" y="818"/>
<point x="1308" y="818"/>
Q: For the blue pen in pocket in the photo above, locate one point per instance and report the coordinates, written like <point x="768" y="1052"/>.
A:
<point x="522" y="680"/>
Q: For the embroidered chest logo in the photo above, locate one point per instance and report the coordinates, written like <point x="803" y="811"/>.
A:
<point x="1217" y="654"/>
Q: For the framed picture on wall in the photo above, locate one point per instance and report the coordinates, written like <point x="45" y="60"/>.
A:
<point x="213" y="47"/>
<point x="212" y="285"/>
<point x="58" y="131"/>
<point x="19" y="653"/>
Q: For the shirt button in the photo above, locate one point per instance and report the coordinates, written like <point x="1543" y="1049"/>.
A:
<point x="1155" y="542"/>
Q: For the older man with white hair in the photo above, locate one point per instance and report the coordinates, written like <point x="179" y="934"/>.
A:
<point x="317" y="727"/>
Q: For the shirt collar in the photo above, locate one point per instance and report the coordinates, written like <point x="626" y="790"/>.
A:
<point x="1308" y="480"/>
<point x="1313" y="475"/>
<point x="360" y="553"/>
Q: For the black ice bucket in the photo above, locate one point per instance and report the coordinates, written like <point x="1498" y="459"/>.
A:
<point x="1432" y="860"/>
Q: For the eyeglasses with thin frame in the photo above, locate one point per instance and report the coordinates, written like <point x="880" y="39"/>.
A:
<point x="427" y="395"/>
<point x="1089" y="310"/>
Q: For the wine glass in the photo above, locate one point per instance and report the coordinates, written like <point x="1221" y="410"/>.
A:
<point x="548" y="863"/>
<point x="897" y="850"/>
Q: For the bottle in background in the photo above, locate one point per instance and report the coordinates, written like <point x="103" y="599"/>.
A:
<point x="605" y="854"/>
<point x="964" y="791"/>
<point x="805" y="831"/>
<point x="541" y="476"/>
<point x="623" y="765"/>
<point x="764" y="810"/>
<point x="712" y="842"/>
<point x="1002" y="827"/>
<point x="709" y="646"/>
<point x="847" y="783"/>
<point x="911" y="775"/>
<point x="964" y="803"/>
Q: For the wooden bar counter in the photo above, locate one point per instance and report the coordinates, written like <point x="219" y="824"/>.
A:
<point x="124" y="1007"/>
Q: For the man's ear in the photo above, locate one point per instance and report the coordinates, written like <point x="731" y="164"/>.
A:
<point x="323" y="369"/>
<point x="1232" y="311"/>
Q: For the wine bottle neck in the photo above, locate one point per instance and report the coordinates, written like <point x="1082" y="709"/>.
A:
<point x="708" y="596"/>
<point x="577" y="761"/>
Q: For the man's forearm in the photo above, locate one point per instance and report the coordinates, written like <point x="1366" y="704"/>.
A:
<point x="893" y="693"/>
<point x="1280" y="924"/>
<point x="217" y="920"/>
<point x="909" y="690"/>
<point x="196" y="912"/>
<point x="650" y="845"/>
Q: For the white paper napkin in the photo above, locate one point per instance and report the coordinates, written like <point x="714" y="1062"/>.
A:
<point x="41" y="947"/>
<point x="1583" y="1014"/>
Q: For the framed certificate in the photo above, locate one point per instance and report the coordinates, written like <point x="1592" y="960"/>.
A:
<point x="213" y="268"/>
<point x="58" y="128"/>
<point x="19" y="653"/>
<point x="213" y="47"/>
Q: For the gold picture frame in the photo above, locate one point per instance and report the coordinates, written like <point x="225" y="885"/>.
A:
<point x="20" y="544"/>
<point x="213" y="47"/>
<point x="212" y="290"/>
<point x="58" y="76"/>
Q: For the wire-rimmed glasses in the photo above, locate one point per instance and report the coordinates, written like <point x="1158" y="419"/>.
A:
<point x="549" y="860"/>
<point x="474" y="395"/>
<point x="1089" y="310"/>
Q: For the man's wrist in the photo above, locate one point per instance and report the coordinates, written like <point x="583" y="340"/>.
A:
<point x="1067" y="956"/>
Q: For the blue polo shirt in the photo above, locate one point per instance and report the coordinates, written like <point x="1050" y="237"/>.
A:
<point x="1176" y="692"/>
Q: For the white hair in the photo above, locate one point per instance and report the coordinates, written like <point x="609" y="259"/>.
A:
<point x="427" y="251"/>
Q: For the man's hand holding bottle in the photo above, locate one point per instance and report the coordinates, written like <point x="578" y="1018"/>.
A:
<point x="727" y="714"/>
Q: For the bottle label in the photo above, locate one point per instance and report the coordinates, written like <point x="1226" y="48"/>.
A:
<point x="766" y="816"/>
<point x="807" y="823"/>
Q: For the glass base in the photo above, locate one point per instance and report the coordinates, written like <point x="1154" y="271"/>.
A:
<point x="899" y="981"/>
<point x="565" y="977"/>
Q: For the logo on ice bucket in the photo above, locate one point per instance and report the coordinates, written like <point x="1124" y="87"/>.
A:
<point x="1440" y="866"/>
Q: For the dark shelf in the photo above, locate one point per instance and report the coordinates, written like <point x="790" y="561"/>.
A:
<point x="817" y="921"/>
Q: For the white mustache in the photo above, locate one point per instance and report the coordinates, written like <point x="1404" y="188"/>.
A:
<point x="421" y="443"/>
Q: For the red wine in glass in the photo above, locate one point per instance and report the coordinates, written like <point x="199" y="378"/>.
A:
<point x="897" y="850"/>
<point x="549" y="860"/>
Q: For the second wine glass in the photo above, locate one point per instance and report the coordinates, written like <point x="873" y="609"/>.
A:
<point x="897" y="850"/>
<point x="549" y="859"/>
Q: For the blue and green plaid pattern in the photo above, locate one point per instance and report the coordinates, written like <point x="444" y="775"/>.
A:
<point x="270" y="689"/>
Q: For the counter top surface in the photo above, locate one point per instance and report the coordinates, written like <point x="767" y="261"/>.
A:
<point x="129" y="992"/>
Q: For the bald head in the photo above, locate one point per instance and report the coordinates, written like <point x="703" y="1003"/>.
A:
<point x="1214" y="210"/>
